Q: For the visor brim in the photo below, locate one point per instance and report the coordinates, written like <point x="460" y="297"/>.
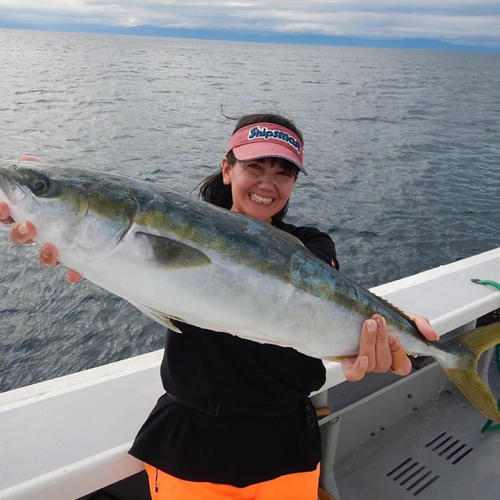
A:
<point x="259" y="150"/>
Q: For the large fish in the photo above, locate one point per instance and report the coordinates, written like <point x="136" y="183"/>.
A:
<point x="175" y="257"/>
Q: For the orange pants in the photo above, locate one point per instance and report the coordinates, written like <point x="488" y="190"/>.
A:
<point x="299" y="486"/>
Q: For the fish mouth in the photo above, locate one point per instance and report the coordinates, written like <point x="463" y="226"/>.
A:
<point x="5" y="185"/>
<point x="11" y="190"/>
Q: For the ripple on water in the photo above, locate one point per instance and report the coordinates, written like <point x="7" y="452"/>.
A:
<point x="402" y="149"/>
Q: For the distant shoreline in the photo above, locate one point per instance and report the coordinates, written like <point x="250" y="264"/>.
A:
<point x="273" y="38"/>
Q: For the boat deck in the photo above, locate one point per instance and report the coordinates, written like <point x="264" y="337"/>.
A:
<point x="436" y="452"/>
<point x="68" y="438"/>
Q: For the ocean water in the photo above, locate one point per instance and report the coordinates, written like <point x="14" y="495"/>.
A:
<point x="403" y="150"/>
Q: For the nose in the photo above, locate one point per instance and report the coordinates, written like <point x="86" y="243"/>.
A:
<point x="267" y="179"/>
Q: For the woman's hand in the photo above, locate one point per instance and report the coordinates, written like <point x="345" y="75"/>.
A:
<point x="380" y="351"/>
<point x="23" y="233"/>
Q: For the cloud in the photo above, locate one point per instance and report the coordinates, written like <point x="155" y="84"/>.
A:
<point x="462" y="21"/>
<point x="380" y="25"/>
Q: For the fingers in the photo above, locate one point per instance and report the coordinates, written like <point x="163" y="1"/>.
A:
<point x="401" y="364"/>
<point x="380" y="351"/>
<point x="74" y="276"/>
<point x="369" y="347"/>
<point x="48" y="255"/>
<point x="5" y="217"/>
<point x="383" y="358"/>
<point x="23" y="233"/>
<point x="367" y="343"/>
<point x="425" y="328"/>
<point x="374" y="344"/>
<point x="355" y="368"/>
<point x="49" y="258"/>
<point x="30" y="158"/>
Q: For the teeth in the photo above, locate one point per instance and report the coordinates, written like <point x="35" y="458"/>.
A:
<point x="259" y="199"/>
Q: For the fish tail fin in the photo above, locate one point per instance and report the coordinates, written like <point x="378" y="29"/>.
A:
<point x="469" y="346"/>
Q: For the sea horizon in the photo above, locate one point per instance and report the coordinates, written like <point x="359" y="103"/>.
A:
<point x="249" y="37"/>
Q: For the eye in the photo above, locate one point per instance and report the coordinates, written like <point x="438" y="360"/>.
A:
<point x="285" y="173"/>
<point x="40" y="186"/>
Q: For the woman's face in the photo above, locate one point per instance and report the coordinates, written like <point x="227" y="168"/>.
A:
<point x="260" y="188"/>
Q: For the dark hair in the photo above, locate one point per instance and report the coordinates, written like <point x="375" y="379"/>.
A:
<point x="213" y="188"/>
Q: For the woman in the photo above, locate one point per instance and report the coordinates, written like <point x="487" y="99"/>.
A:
<point x="236" y="421"/>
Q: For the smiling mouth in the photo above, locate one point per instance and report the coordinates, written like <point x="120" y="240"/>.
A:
<point x="260" y="199"/>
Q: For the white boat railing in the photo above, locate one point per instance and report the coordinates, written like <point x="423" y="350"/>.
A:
<point x="65" y="438"/>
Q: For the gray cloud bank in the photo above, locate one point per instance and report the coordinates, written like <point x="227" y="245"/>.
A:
<point x="466" y="22"/>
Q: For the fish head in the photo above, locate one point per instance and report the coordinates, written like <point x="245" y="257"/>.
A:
<point x="82" y="212"/>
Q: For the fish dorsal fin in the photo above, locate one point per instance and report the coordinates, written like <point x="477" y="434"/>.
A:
<point x="173" y="254"/>
<point x="158" y="316"/>
<point x="396" y="309"/>
<point x="385" y="302"/>
<point x="390" y="305"/>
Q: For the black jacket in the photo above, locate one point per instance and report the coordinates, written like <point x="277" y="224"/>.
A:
<point x="236" y="448"/>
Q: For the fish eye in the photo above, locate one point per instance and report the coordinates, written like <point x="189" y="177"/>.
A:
<point x="40" y="186"/>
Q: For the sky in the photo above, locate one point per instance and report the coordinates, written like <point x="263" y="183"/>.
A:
<point x="459" y="22"/>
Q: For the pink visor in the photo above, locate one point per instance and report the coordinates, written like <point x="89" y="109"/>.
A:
<point x="267" y="140"/>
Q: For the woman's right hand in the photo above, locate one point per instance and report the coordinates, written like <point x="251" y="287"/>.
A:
<point x="22" y="233"/>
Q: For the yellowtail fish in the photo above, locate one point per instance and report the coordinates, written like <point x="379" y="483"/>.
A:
<point x="175" y="257"/>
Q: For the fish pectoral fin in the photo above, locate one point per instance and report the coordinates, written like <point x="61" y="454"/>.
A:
<point x="173" y="254"/>
<point x="158" y="316"/>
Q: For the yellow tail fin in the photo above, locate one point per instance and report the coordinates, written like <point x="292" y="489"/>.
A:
<point x="473" y="344"/>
